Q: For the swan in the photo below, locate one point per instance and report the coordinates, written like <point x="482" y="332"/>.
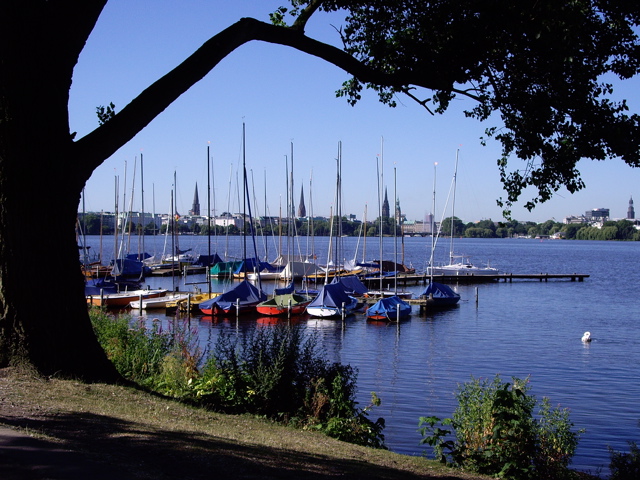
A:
<point x="586" y="337"/>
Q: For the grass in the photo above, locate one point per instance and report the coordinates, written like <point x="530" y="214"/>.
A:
<point x="147" y="436"/>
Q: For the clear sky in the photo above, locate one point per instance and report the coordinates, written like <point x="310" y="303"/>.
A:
<point x="284" y="96"/>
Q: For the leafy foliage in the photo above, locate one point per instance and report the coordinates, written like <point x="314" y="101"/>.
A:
<point x="625" y="466"/>
<point x="162" y="359"/>
<point x="105" y="113"/>
<point x="274" y="373"/>
<point x="541" y="72"/>
<point x="496" y="433"/>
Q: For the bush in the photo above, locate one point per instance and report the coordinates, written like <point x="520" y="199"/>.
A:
<point x="276" y="373"/>
<point x="164" y="360"/>
<point x="271" y="372"/>
<point x="495" y="433"/>
<point x="625" y="466"/>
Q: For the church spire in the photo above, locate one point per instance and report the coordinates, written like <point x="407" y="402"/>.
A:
<point x="385" y="204"/>
<point x="195" y="208"/>
<point x="631" y="214"/>
<point x="302" y="210"/>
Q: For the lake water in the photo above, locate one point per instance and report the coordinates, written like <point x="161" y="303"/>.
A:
<point x="522" y="329"/>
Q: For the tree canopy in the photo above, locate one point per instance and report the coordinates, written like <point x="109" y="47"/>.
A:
<point x="539" y="72"/>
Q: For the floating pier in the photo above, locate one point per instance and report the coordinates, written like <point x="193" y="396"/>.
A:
<point x="404" y="280"/>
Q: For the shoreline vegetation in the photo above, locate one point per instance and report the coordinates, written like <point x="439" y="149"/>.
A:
<point x="321" y="227"/>
<point x="236" y="414"/>
<point x="267" y="406"/>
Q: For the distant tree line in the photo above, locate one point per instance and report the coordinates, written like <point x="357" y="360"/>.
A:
<point x="611" y="230"/>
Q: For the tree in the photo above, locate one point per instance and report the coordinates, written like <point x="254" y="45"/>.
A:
<point x="535" y="66"/>
<point x="458" y="227"/>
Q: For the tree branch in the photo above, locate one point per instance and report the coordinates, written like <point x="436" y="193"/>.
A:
<point x="301" y="22"/>
<point x="98" y="145"/>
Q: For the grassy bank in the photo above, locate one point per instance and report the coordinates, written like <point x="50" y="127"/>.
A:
<point x="147" y="436"/>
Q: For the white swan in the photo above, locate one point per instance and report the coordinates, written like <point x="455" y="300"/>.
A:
<point x="586" y="337"/>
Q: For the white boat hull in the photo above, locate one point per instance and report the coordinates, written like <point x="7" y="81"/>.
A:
<point x="160" y="302"/>
<point x="462" y="269"/>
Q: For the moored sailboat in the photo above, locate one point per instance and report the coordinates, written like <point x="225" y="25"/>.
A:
<point x="389" y="309"/>
<point x="437" y="295"/>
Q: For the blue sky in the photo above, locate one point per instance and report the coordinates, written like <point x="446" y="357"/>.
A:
<point x="284" y="96"/>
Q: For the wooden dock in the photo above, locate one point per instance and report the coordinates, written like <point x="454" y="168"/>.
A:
<point x="416" y="279"/>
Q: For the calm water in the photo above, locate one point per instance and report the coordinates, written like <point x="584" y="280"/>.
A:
<point x="525" y="328"/>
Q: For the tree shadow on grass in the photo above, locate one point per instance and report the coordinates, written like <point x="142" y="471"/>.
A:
<point x="108" y="447"/>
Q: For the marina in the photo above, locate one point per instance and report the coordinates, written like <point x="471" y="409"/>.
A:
<point x="527" y="328"/>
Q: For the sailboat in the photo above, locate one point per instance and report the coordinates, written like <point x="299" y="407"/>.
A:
<point x="245" y="296"/>
<point x="284" y="302"/>
<point x="458" y="264"/>
<point x="437" y="295"/>
<point x="391" y="308"/>
<point x="332" y="300"/>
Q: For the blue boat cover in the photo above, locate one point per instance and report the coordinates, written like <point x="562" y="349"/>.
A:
<point x="138" y="256"/>
<point x="439" y="291"/>
<point x="284" y="290"/>
<point x="95" y="286"/>
<point x="245" y="292"/>
<point x="388" y="307"/>
<point x="207" y="260"/>
<point x="331" y="295"/>
<point x="126" y="267"/>
<point x="351" y="284"/>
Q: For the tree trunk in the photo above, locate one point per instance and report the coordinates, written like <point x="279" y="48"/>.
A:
<point x="43" y="312"/>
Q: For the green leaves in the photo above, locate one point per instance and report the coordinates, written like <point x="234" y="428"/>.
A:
<point x="537" y="67"/>
<point x="495" y="433"/>
<point x="105" y="113"/>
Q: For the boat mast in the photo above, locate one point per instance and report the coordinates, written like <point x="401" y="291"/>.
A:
<point x="380" y="200"/>
<point x="339" y="252"/>
<point x="453" y="206"/>
<point x="174" y="239"/>
<point x="209" y="217"/>
<point x="244" y="203"/>
<point x="142" y="203"/>
<point x="379" y="224"/>
<point x="432" y="221"/>
<point x="395" y="239"/>
<point x="364" y="242"/>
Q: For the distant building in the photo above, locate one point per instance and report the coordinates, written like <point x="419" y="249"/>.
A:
<point x="597" y="215"/>
<point x="195" y="208"/>
<point x="385" y="205"/>
<point x="302" y="210"/>
<point x="573" y="219"/>
<point x="631" y="214"/>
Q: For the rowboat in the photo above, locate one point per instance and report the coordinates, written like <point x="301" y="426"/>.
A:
<point x="284" y="305"/>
